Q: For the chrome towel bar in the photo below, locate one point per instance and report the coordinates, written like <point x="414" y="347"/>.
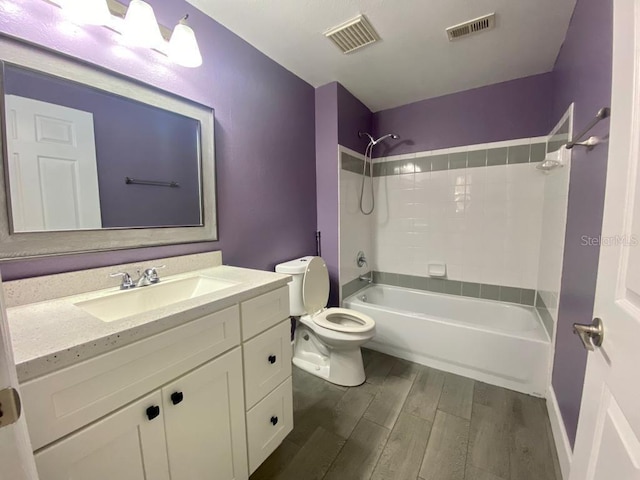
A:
<point x="135" y="181"/>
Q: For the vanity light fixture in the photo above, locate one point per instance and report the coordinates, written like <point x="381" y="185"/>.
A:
<point x="88" y="12"/>
<point x="137" y="23"/>
<point x="183" y="45"/>
<point x="140" y="25"/>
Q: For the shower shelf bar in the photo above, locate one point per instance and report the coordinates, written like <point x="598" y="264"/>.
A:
<point x="135" y="181"/>
<point x="603" y="113"/>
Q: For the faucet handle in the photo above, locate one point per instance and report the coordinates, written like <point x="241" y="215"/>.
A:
<point x="127" y="281"/>
<point x="152" y="273"/>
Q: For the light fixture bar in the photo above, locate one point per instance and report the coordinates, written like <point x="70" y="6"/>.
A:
<point x="119" y="10"/>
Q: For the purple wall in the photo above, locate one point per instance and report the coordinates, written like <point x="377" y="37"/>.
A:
<point x="339" y="118"/>
<point x="327" y="181"/>
<point x="163" y="148"/>
<point x="264" y="133"/>
<point x="582" y="75"/>
<point x="353" y="117"/>
<point x="515" y="109"/>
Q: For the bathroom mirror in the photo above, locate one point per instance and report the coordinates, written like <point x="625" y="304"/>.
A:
<point x="95" y="161"/>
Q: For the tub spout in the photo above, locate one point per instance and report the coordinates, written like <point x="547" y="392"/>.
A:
<point x="367" y="278"/>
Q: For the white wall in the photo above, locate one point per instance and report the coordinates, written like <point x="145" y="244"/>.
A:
<point x="554" y="221"/>
<point x="483" y="222"/>
<point x="355" y="227"/>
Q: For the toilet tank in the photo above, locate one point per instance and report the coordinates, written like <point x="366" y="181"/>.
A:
<point x="296" y="269"/>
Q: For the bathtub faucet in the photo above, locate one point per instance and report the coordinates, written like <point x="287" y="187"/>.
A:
<point x="367" y="278"/>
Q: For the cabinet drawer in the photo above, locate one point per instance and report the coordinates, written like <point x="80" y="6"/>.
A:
<point x="64" y="401"/>
<point x="267" y="362"/>
<point x="268" y="423"/>
<point x="263" y="312"/>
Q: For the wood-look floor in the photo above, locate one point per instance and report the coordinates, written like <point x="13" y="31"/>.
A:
<point x="410" y="422"/>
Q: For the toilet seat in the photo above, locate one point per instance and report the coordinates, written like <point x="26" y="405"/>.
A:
<point x="344" y="320"/>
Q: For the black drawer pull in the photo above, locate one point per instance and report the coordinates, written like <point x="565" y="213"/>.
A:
<point x="274" y="420"/>
<point x="176" y="397"/>
<point x="272" y="359"/>
<point x="153" y="412"/>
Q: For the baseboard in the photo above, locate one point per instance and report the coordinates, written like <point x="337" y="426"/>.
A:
<point x="563" y="447"/>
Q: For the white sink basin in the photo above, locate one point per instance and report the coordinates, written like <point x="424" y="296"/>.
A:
<point x="123" y="304"/>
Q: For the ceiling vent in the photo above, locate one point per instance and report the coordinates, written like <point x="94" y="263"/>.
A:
<point x="352" y="35"/>
<point x="465" y="29"/>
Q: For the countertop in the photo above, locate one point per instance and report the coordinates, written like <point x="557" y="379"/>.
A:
<point x="54" y="334"/>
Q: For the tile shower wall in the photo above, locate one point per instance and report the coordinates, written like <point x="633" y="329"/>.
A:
<point x="554" y="220"/>
<point x="355" y="227"/>
<point x="476" y="208"/>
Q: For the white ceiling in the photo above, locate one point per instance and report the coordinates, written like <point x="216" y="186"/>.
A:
<point x="414" y="60"/>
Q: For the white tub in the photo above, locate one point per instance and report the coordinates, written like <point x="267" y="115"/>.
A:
<point x="494" y="342"/>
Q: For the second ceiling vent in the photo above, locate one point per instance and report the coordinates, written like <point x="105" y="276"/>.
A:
<point x="476" y="25"/>
<point x="352" y="35"/>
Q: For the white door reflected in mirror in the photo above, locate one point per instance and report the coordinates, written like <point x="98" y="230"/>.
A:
<point x="52" y="166"/>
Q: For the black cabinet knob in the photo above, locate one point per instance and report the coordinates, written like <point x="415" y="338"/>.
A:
<point x="153" y="412"/>
<point x="272" y="359"/>
<point x="176" y="397"/>
<point x="274" y="420"/>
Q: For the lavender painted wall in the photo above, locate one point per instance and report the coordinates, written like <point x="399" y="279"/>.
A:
<point x="327" y="184"/>
<point x="339" y="117"/>
<point x="582" y="74"/>
<point x="165" y="147"/>
<point x="265" y="159"/>
<point x="515" y="109"/>
<point x="353" y="117"/>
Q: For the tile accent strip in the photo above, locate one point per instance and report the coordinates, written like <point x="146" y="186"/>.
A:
<point x="353" y="286"/>
<point x="502" y="293"/>
<point x="545" y="315"/>
<point x="483" y="157"/>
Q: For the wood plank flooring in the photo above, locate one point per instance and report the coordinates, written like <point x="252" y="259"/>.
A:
<point x="410" y="422"/>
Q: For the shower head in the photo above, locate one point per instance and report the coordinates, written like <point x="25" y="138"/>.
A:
<point x="374" y="142"/>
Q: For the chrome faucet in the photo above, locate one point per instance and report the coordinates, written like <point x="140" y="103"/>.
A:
<point x="361" y="261"/>
<point x="127" y="281"/>
<point x="149" y="276"/>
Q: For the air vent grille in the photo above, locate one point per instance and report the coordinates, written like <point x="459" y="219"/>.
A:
<point x="481" y="24"/>
<point x="352" y="35"/>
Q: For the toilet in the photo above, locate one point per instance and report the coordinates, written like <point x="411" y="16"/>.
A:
<point x="327" y="340"/>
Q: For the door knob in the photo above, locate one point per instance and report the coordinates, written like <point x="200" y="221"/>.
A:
<point x="591" y="335"/>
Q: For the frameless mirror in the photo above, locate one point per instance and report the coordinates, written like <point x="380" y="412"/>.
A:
<point x="96" y="161"/>
<point x="83" y="158"/>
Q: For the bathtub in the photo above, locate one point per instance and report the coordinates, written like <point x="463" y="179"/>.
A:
<point x="494" y="342"/>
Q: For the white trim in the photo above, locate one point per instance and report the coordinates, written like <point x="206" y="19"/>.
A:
<point x="560" y="437"/>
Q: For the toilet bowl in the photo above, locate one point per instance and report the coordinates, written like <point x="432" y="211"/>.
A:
<point x="327" y="340"/>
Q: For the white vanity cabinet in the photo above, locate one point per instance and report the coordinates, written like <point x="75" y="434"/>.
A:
<point x="266" y="336"/>
<point x="209" y="399"/>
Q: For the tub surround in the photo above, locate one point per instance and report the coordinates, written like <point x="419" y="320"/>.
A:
<point x="54" y="333"/>
<point x="477" y="208"/>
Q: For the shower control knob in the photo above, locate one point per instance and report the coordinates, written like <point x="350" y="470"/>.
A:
<point x="272" y="359"/>
<point x="274" y="420"/>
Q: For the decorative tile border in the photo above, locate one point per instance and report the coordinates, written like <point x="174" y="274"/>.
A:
<point x="353" y="286"/>
<point x="545" y="315"/>
<point x="431" y="162"/>
<point x="502" y="293"/>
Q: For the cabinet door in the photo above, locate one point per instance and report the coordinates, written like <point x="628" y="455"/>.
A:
<point x="126" y="445"/>
<point x="205" y="424"/>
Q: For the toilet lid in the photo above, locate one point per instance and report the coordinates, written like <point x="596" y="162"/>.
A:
<point x="315" y="286"/>
<point x="345" y="320"/>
